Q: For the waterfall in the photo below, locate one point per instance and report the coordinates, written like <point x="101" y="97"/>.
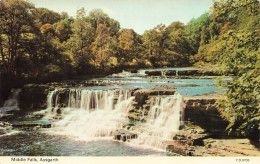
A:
<point x="164" y="120"/>
<point x="122" y="74"/>
<point x="142" y="72"/>
<point x="99" y="114"/>
<point x="11" y="104"/>
<point x="177" y="73"/>
<point x="50" y="106"/>
<point x="163" y="73"/>
<point x="90" y="114"/>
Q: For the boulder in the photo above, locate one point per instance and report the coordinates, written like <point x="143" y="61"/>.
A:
<point x="124" y="135"/>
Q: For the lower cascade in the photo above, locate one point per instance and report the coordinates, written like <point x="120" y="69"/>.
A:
<point x="100" y="114"/>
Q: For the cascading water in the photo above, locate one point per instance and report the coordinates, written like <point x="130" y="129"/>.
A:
<point x="49" y="108"/>
<point x="98" y="114"/>
<point x="141" y="72"/>
<point x="122" y="74"/>
<point x="164" y="120"/>
<point x="90" y="114"/>
<point x="163" y="73"/>
<point x="11" y="104"/>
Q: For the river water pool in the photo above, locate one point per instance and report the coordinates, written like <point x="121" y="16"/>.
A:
<point x="35" y="143"/>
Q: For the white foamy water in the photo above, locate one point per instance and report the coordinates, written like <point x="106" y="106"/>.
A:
<point x="97" y="114"/>
<point x="164" y="119"/>
<point x="122" y="74"/>
<point x="140" y="73"/>
<point x="90" y="114"/>
<point x="11" y="104"/>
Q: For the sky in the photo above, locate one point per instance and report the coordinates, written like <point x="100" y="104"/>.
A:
<point x="139" y="15"/>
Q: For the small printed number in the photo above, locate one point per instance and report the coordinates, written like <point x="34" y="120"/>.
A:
<point x="242" y="160"/>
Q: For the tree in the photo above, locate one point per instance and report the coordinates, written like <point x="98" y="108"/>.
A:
<point x="129" y="45"/>
<point x="241" y="106"/>
<point x="16" y="26"/>
<point x="166" y="46"/>
<point x="81" y="38"/>
<point x="97" y="17"/>
<point x="177" y="47"/>
<point x="103" y="48"/>
<point x="63" y="30"/>
<point x="153" y="41"/>
<point x="222" y="10"/>
<point x="193" y="29"/>
<point x="235" y="49"/>
<point x="46" y="16"/>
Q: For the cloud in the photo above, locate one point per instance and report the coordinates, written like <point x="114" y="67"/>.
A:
<point x="109" y="11"/>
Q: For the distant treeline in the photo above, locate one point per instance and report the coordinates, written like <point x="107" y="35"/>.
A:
<point x="37" y="44"/>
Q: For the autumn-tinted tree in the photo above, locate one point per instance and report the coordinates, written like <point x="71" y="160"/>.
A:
<point x="129" y="45"/>
<point x="166" y="46"/>
<point x="103" y="49"/>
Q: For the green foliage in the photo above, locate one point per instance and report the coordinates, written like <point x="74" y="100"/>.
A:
<point x="242" y="105"/>
<point x="97" y="17"/>
<point x="235" y="48"/>
<point x="46" y="16"/>
<point x="166" y="46"/>
<point x="78" y="45"/>
<point x="63" y="29"/>
<point x="103" y="48"/>
<point x="129" y="48"/>
<point x="16" y="26"/>
<point x="193" y="29"/>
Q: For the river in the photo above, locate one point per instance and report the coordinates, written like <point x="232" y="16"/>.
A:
<point x="85" y="122"/>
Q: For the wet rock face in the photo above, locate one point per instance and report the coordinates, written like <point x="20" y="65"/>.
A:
<point x="141" y="96"/>
<point x="203" y="112"/>
<point x="142" y="102"/>
<point x="33" y="97"/>
<point x="179" y="148"/>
